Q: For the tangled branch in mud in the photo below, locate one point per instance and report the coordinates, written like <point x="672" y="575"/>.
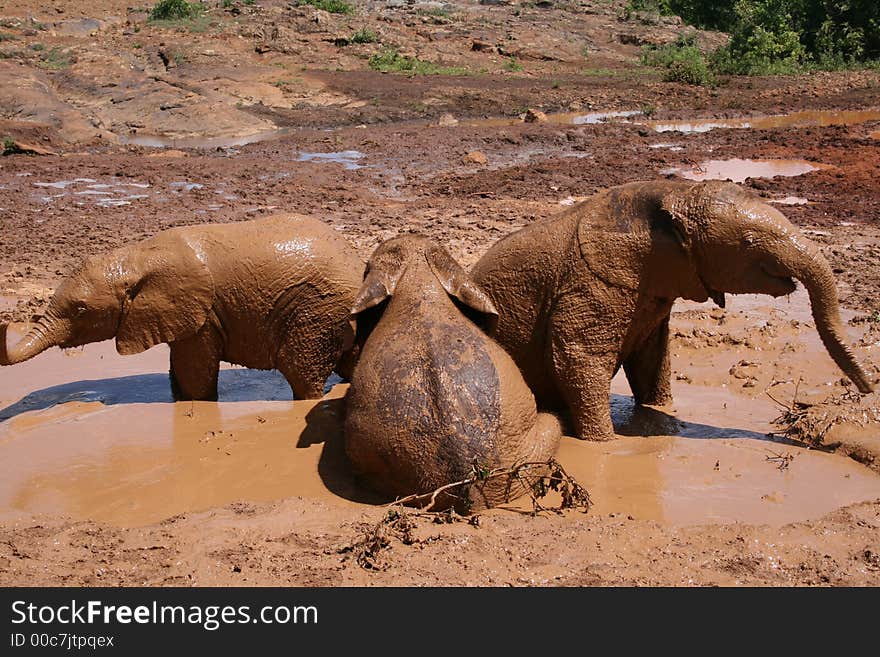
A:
<point x="782" y="460"/>
<point x="809" y="423"/>
<point x="536" y="478"/>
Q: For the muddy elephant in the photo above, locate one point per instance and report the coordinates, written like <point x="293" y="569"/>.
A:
<point x="433" y="398"/>
<point x="272" y="293"/>
<point x="589" y="290"/>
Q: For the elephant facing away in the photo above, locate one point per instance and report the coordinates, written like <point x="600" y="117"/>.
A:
<point x="272" y="293"/>
<point x="591" y="289"/>
<point x="433" y="398"/>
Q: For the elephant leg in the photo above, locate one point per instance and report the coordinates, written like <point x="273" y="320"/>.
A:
<point x="306" y="363"/>
<point x="584" y="381"/>
<point x="647" y="368"/>
<point x="195" y="365"/>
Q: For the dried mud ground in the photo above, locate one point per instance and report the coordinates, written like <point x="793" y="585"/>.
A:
<point x="142" y="126"/>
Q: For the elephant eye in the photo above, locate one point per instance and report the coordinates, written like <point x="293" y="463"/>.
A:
<point x="81" y="309"/>
<point x="748" y="239"/>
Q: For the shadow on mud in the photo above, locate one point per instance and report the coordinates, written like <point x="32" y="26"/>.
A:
<point x="325" y="423"/>
<point x="630" y="419"/>
<point x="234" y="385"/>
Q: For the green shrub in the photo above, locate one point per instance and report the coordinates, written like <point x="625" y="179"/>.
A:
<point x="391" y="61"/>
<point x="680" y="61"/>
<point x="513" y="65"/>
<point x="786" y="36"/>
<point x="332" y="6"/>
<point x="364" y="35"/>
<point x="167" y="10"/>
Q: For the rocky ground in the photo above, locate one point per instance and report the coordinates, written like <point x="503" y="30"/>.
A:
<point x="118" y="127"/>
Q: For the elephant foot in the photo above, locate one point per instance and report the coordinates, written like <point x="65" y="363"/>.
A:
<point x="601" y="431"/>
<point x="660" y="398"/>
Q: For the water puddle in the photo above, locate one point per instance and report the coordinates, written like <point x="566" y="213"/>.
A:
<point x="738" y="170"/>
<point x="557" y="118"/>
<point x="202" y="143"/>
<point x="672" y="147"/>
<point x="113" y="193"/>
<point x="349" y="159"/>
<point x="600" y="117"/>
<point x="790" y="200"/>
<point x="87" y="433"/>
<point x="793" y="120"/>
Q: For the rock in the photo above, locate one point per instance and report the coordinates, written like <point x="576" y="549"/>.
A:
<point x="534" y="116"/>
<point x="447" y="121"/>
<point x="476" y="157"/>
<point x="482" y="46"/>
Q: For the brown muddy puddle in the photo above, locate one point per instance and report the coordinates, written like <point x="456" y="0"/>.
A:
<point x="738" y="170"/>
<point x="90" y="434"/>
<point x="801" y="119"/>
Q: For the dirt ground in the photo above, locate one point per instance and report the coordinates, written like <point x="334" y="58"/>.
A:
<point x="128" y="127"/>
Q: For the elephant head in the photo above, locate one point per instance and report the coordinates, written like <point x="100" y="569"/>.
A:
<point x="712" y="238"/>
<point x="159" y="290"/>
<point x="417" y="255"/>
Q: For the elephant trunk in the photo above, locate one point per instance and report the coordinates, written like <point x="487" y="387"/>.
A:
<point x="809" y="266"/>
<point x="42" y="335"/>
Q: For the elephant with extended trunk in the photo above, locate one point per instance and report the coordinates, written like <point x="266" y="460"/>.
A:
<point x="272" y="293"/>
<point x="590" y="290"/>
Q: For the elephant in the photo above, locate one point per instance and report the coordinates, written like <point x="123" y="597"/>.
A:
<point x="591" y="289"/>
<point x="433" y="398"/>
<point x="271" y="293"/>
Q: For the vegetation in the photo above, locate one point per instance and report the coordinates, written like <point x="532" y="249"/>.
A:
<point x="391" y="61"/>
<point x="169" y="10"/>
<point x="332" y="6"/>
<point x="680" y="61"/>
<point x="513" y="65"/>
<point x="10" y="147"/>
<point x="364" y="35"/>
<point x="54" y="59"/>
<point x="782" y="36"/>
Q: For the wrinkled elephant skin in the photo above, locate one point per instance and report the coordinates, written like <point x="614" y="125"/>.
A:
<point x="272" y="293"/>
<point x="582" y="293"/>
<point x="433" y="398"/>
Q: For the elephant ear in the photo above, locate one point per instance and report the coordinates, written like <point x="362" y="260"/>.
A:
<point x="471" y="300"/>
<point x="169" y="291"/>
<point x="608" y="230"/>
<point x="367" y="309"/>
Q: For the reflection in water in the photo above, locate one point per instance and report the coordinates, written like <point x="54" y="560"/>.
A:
<point x="793" y="120"/>
<point x="738" y="170"/>
<point x="346" y="158"/>
<point x="234" y="385"/>
<point x="159" y="141"/>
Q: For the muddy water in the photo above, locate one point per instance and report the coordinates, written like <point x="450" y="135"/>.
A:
<point x="738" y="170"/>
<point x="204" y="143"/>
<point x="90" y="434"/>
<point x="793" y="120"/>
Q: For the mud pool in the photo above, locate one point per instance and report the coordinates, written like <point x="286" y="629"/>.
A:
<point x="89" y="434"/>
<point x="737" y="170"/>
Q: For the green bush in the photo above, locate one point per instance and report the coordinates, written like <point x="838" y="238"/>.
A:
<point x="391" y="61"/>
<point x="785" y="36"/>
<point x="364" y="35"/>
<point x="167" y="10"/>
<point x="332" y="6"/>
<point x="680" y="61"/>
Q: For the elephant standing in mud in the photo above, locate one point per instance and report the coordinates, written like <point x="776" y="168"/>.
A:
<point x="433" y="398"/>
<point x="591" y="289"/>
<point x="272" y="293"/>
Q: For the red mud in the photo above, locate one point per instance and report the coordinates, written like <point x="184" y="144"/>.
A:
<point x="105" y="481"/>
